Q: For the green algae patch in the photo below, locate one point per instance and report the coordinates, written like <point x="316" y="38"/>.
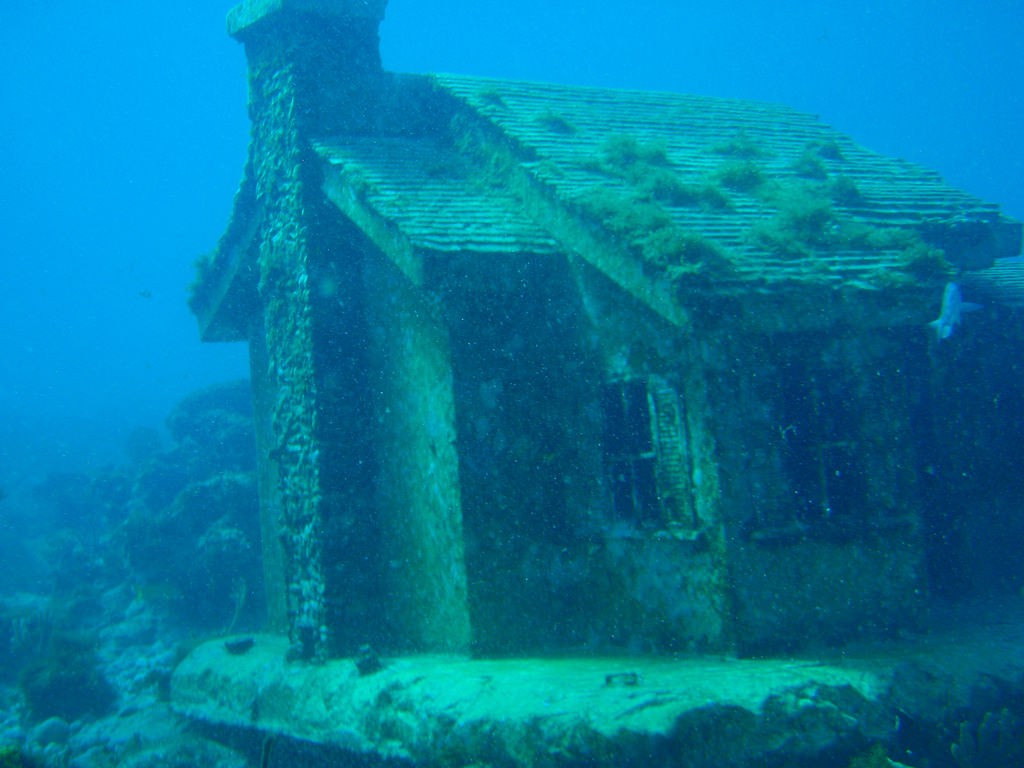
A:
<point x="803" y="222"/>
<point x="555" y="123"/>
<point x="647" y="231"/>
<point x="741" y="175"/>
<point x="685" y="253"/>
<point x="636" y="214"/>
<point x="741" y="145"/>
<point x="809" y="219"/>
<point x="625" y="153"/>
<point x="808" y="209"/>
<point x="645" y="166"/>
<point x="810" y="166"/>
<point x="923" y="262"/>
<point x="844" y="191"/>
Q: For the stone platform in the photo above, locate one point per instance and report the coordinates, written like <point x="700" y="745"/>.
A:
<point x="937" y="694"/>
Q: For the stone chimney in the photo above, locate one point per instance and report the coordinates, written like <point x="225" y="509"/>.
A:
<point x="326" y="51"/>
<point x="314" y="71"/>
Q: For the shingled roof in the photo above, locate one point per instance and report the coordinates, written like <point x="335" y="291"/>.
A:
<point x="671" y="196"/>
<point x="783" y="195"/>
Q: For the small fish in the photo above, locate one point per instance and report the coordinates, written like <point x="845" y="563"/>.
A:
<point x="953" y="306"/>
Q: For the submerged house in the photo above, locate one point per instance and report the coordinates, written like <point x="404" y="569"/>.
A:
<point x="542" y="368"/>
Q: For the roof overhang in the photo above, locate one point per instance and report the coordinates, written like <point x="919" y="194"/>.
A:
<point x="224" y="295"/>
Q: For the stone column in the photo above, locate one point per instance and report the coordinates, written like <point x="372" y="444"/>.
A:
<point x="309" y="63"/>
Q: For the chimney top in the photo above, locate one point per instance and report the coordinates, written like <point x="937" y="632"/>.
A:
<point x="249" y="13"/>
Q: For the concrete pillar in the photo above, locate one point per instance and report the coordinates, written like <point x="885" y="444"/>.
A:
<point x="418" y="492"/>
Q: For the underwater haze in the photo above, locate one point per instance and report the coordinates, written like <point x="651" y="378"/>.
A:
<point x="124" y="133"/>
<point x="548" y="477"/>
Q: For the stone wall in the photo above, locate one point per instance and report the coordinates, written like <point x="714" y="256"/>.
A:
<point x="290" y="103"/>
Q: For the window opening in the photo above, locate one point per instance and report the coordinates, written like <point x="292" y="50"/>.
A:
<point x="825" y="467"/>
<point x="629" y="452"/>
<point x="647" y="457"/>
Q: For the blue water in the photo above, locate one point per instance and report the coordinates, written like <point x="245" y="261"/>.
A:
<point x="123" y="133"/>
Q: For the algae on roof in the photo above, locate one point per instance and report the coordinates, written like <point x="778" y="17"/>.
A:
<point x="729" y="189"/>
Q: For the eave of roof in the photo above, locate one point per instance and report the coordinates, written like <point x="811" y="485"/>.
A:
<point x="417" y="195"/>
<point x="675" y="198"/>
<point x="223" y="295"/>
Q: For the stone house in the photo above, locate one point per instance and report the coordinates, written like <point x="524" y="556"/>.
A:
<point x="541" y="368"/>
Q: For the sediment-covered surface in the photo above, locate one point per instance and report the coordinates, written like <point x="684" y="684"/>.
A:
<point x="943" y="694"/>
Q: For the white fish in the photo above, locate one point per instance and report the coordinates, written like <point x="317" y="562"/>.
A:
<point x="953" y="306"/>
